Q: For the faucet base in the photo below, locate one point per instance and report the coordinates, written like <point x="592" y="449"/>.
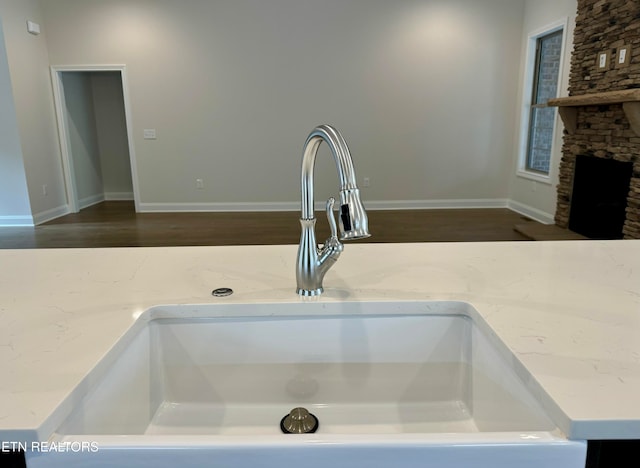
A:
<point x="309" y="292"/>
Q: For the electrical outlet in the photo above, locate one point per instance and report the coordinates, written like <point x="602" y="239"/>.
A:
<point x="366" y="182"/>
<point x="149" y="133"/>
<point x="199" y="183"/>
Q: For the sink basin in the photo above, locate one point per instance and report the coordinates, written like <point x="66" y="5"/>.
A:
<point x="398" y="383"/>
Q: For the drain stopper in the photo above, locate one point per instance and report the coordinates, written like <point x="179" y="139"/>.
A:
<point x="299" y="421"/>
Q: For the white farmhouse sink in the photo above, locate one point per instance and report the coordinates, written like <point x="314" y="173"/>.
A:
<point x="392" y="384"/>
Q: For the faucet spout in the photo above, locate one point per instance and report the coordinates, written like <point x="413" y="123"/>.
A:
<point x="312" y="262"/>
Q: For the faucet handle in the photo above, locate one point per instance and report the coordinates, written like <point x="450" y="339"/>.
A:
<point x="332" y="221"/>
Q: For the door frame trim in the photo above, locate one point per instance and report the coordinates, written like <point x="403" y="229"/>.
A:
<point x="63" y="132"/>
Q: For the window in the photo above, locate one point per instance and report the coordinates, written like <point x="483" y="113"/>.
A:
<point x="544" y="73"/>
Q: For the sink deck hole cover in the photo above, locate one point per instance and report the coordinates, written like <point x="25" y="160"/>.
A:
<point x="222" y="292"/>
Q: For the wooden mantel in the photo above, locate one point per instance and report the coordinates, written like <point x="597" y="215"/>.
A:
<point x="629" y="98"/>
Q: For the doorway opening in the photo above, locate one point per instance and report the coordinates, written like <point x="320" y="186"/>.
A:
<point x="94" y="124"/>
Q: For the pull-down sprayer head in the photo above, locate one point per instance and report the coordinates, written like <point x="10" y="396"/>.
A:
<point x="354" y="223"/>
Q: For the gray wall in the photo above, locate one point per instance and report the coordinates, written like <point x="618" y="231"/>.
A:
<point x="423" y="91"/>
<point x="33" y="97"/>
<point x="426" y="92"/>
<point x="83" y="137"/>
<point x="111" y="129"/>
<point x="14" y="197"/>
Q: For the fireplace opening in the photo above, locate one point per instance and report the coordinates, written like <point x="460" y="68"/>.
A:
<point x="599" y="198"/>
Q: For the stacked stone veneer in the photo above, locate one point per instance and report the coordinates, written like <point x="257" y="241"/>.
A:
<point x="603" y="131"/>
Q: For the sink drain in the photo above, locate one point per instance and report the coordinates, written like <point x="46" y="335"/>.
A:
<point x="299" y="421"/>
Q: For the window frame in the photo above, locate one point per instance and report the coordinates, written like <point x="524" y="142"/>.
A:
<point x="530" y="79"/>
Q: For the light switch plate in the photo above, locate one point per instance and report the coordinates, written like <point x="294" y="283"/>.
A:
<point x="623" y="56"/>
<point x="149" y="133"/>
<point x="603" y="60"/>
<point x="33" y="28"/>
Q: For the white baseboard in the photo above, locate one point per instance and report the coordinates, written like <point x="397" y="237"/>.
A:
<point x="111" y="196"/>
<point x="435" y="204"/>
<point x="533" y="213"/>
<point x="319" y="206"/>
<point x="90" y="201"/>
<point x="16" y="221"/>
<point x="214" y="207"/>
<point x="53" y="213"/>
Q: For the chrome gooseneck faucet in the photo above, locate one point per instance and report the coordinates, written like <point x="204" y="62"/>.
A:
<point x="313" y="261"/>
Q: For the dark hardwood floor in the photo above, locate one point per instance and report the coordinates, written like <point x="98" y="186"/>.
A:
<point x="116" y="224"/>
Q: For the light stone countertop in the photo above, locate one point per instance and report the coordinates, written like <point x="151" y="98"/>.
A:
<point x="569" y="311"/>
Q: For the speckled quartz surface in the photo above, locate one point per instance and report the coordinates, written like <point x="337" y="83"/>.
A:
<point x="569" y="311"/>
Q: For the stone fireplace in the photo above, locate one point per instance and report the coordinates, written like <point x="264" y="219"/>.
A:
<point x="602" y="116"/>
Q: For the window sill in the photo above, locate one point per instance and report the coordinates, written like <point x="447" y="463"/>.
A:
<point x="543" y="179"/>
